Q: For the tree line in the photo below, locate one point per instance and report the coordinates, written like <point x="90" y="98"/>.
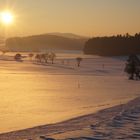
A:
<point x="113" y="45"/>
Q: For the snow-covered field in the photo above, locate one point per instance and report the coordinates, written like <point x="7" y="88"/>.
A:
<point x="33" y="94"/>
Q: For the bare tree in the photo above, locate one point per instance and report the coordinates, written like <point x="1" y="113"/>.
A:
<point x="79" y="59"/>
<point x="38" y="57"/>
<point x="52" y="56"/>
<point x="31" y="55"/>
<point x="46" y="57"/>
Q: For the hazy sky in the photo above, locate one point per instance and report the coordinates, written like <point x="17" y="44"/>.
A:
<point x="84" y="17"/>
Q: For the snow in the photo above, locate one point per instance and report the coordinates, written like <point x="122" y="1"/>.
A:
<point x="34" y="94"/>
<point x="119" y="122"/>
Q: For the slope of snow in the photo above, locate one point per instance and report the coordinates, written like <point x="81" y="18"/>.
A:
<point x="33" y="94"/>
<point x="119" y="122"/>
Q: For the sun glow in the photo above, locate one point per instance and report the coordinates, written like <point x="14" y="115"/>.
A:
<point x="6" y="17"/>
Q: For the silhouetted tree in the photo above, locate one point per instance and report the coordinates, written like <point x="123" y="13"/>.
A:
<point x="31" y="55"/>
<point x="52" y="56"/>
<point x="127" y="35"/>
<point x="38" y="57"/>
<point x="79" y="59"/>
<point x="46" y="57"/>
<point x="18" y="57"/>
<point x="133" y="67"/>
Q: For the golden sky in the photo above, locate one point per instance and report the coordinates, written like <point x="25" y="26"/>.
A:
<point x="83" y="17"/>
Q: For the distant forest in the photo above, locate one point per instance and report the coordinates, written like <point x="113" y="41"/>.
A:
<point x="44" y="42"/>
<point x="113" y="45"/>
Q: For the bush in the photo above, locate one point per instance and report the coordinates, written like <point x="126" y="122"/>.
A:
<point x="18" y="57"/>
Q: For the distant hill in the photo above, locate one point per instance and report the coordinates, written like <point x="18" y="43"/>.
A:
<point x="114" y="45"/>
<point x="45" y="42"/>
<point x="2" y="43"/>
<point x="68" y="35"/>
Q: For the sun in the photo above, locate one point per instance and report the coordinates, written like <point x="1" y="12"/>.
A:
<point x="7" y="17"/>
